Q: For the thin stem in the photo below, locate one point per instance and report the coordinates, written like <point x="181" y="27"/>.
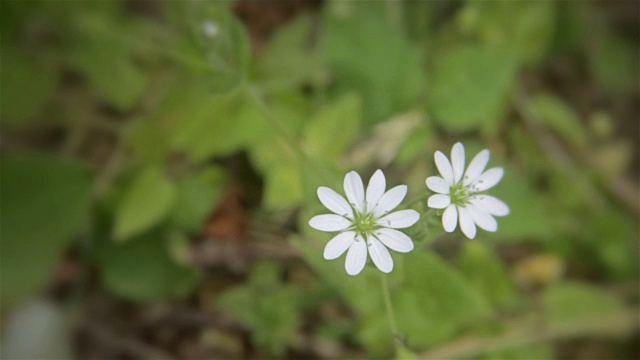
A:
<point x="390" y="314"/>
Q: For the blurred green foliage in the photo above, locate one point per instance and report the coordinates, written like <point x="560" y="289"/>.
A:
<point x="356" y="85"/>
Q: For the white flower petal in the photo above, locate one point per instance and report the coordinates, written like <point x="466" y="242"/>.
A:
<point x="457" y="161"/>
<point x="399" y="219"/>
<point x="490" y="204"/>
<point x="339" y="244"/>
<point x="438" y="184"/>
<point x="395" y="240"/>
<point x="329" y="222"/>
<point x="450" y="218"/>
<point x="390" y="200"/>
<point x="356" y="257"/>
<point x="380" y="255"/>
<point x="439" y="201"/>
<point x="444" y="166"/>
<point x="355" y="190"/>
<point x="375" y="189"/>
<point x="482" y="218"/>
<point x="488" y="179"/>
<point x="467" y="225"/>
<point x="334" y="202"/>
<point x="476" y="166"/>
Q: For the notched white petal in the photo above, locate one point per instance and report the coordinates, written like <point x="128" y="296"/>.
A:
<point x="399" y="219"/>
<point x="444" y="167"/>
<point x="329" y="222"/>
<point x="375" y="189"/>
<point x="334" y="202"/>
<point x="491" y="204"/>
<point x="483" y="219"/>
<point x="488" y="179"/>
<point x="450" y="218"/>
<point x="476" y="166"/>
<point x="467" y="225"/>
<point x="338" y="245"/>
<point x="356" y="257"/>
<point x="390" y="200"/>
<point x="438" y="184"/>
<point x="439" y="201"/>
<point x="395" y="240"/>
<point x="457" y="161"/>
<point x="380" y="256"/>
<point x="355" y="190"/>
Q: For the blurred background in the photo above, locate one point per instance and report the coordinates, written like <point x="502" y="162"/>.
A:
<point x="160" y="161"/>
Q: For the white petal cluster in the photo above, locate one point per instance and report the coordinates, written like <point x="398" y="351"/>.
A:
<point x="365" y="222"/>
<point x="460" y="192"/>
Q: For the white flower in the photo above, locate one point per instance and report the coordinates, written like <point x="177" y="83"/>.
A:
<point x="365" y="222"/>
<point x="460" y="192"/>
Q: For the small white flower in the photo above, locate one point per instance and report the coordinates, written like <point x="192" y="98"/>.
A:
<point x="365" y="222"/>
<point x="210" y="28"/>
<point x="460" y="192"/>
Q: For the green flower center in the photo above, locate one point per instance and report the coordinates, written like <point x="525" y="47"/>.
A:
<point x="459" y="194"/>
<point x="365" y="223"/>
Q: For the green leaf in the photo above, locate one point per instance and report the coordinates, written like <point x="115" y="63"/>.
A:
<point x="268" y="307"/>
<point x="142" y="270"/>
<point x="283" y="187"/>
<point x="470" y="86"/>
<point x="526" y="27"/>
<point x="146" y="202"/>
<point x="111" y="73"/>
<point x="27" y="84"/>
<point x="369" y="53"/>
<point x="529" y="216"/>
<point x="615" y="63"/>
<point x="148" y="140"/>
<point x="572" y="301"/>
<point x="609" y="233"/>
<point x="561" y="118"/>
<point x="289" y="61"/>
<point x="443" y="296"/>
<point x="216" y="125"/>
<point x="197" y="195"/>
<point x="486" y="272"/>
<point x="523" y="352"/>
<point x="217" y="47"/>
<point x="331" y="131"/>
<point x="44" y="202"/>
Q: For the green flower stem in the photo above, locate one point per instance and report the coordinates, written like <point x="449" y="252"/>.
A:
<point x="390" y="314"/>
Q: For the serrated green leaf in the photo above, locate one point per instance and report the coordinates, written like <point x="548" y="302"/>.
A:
<point x="146" y="202"/>
<point x="44" y="202"/>
<point x="470" y="86"/>
<point x="142" y="270"/>
<point x="331" y="130"/>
